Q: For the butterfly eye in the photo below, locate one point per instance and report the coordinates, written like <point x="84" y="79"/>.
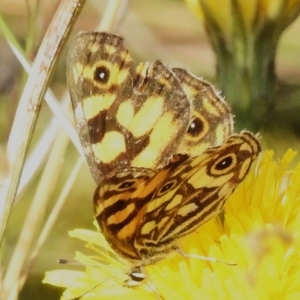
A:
<point x="101" y="74"/>
<point x="127" y="184"/>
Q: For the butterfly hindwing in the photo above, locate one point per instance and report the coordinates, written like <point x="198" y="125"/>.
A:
<point x="211" y="120"/>
<point x="205" y="183"/>
<point x="174" y="200"/>
<point x="119" y="204"/>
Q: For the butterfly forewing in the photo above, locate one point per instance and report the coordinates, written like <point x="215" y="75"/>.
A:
<point x="161" y="118"/>
<point x="126" y="115"/>
<point x="97" y="76"/>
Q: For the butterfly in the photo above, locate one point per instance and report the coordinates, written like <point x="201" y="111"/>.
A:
<point x="159" y="145"/>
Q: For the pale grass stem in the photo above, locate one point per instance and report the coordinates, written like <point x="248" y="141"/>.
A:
<point x="52" y="218"/>
<point x="20" y="137"/>
<point x="35" y="216"/>
<point x="23" y="127"/>
<point x="114" y="11"/>
<point x="31" y="99"/>
<point x="41" y="148"/>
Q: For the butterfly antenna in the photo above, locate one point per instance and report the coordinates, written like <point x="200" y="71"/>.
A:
<point x="74" y="262"/>
<point x="93" y="288"/>
<point x="154" y="290"/>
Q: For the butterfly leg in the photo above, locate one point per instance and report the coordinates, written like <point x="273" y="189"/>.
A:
<point x="206" y="258"/>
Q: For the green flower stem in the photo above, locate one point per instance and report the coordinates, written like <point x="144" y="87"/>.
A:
<point x="245" y="56"/>
<point x="246" y="76"/>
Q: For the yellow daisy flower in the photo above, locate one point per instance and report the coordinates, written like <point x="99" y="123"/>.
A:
<point x="259" y="232"/>
<point x="253" y="14"/>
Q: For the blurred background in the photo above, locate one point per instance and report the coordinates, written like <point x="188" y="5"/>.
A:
<point x="164" y="29"/>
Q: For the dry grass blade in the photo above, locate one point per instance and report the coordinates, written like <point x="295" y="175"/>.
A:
<point x="30" y="102"/>
<point x="38" y="154"/>
<point x="25" y="250"/>
<point x="114" y="11"/>
<point x="50" y="220"/>
<point x="50" y="99"/>
<point x="33" y="219"/>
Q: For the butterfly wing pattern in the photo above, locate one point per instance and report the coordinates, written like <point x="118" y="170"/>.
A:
<point x="159" y="143"/>
<point x="138" y="116"/>
<point x="147" y="211"/>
